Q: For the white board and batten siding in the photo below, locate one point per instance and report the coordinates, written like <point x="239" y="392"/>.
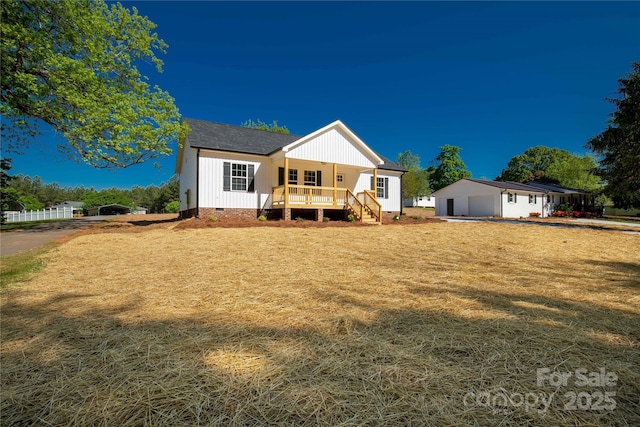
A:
<point x="331" y="147"/>
<point x="392" y="200"/>
<point x="211" y="189"/>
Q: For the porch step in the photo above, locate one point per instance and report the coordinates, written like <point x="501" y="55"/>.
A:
<point x="368" y="219"/>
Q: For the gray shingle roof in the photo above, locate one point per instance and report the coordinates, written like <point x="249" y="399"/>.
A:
<point x="555" y="188"/>
<point x="508" y="185"/>
<point x="239" y="139"/>
<point x="530" y="186"/>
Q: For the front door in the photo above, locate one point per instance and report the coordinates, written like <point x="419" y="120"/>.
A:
<point x="449" y="207"/>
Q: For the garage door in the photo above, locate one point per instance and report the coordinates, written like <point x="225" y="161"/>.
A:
<point x="481" y="206"/>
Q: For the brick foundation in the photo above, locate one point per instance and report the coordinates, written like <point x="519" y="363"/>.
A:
<point x="229" y="213"/>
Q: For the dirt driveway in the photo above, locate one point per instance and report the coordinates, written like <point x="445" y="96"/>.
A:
<point x="12" y="242"/>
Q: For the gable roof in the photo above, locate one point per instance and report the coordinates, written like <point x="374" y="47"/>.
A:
<point x="530" y="187"/>
<point x="239" y="139"/>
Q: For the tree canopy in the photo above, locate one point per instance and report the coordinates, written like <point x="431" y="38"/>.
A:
<point x="415" y="182"/>
<point x="260" y="125"/>
<point x="450" y="168"/>
<point x="532" y="164"/>
<point x="552" y="165"/>
<point x="73" y="64"/>
<point x="619" y="144"/>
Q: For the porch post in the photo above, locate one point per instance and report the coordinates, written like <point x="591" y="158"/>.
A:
<point x="375" y="183"/>
<point x="286" y="183"/>
<point x="335" y="184"/>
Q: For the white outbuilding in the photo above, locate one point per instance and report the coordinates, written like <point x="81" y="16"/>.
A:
<point x="481" y="198"/>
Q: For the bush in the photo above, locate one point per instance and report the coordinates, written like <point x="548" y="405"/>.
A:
<point x="299" y="219"/>
<point x="351" y="218"/>
<point x="213" y="218"/>
<point x="396" y="218"/>
<point x="326" y="219"/>
<point x="262" y="218"/>
<point x="172" y="207"/>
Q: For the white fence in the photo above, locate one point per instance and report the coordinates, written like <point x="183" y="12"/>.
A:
<point x="54" y="213"/>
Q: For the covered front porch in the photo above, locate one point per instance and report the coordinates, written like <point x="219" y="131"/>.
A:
<point x="363" y="205"/>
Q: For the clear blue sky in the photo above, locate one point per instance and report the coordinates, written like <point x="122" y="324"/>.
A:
<point x="492" y="78"/>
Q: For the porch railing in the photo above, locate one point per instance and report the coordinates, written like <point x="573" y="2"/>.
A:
<point x="303" y="195"/>
<point x="362" y="204"/>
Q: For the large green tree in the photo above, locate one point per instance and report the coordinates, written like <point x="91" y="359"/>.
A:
<point x="619" y="144"/>
<point x="449" y="168"/>
<point x="415" y="182"/>
<point x="73" y="64"/>
<point x="552" y="165"/>
<point x="575" y="171"/>
<point x="532" y="164"/>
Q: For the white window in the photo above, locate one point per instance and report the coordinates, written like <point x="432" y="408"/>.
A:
<point x="533" y="199"/>
<point x="380" y="188"/>
<point x="238" y="177"/>
<point x="511" y="197"/>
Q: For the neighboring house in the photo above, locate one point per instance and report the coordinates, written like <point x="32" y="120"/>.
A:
<point x="421" y="202"/>
<point x="140" y="210"/>
<point x="474" y="197"/>
<point x="233" y="171"/>
<point x="76" y="206"/>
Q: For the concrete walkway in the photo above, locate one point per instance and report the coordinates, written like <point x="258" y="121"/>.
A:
<point x="578" y="222"/>
<point x="13" y="242"/>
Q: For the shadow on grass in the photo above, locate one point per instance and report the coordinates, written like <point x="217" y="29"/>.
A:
<point x="88" y="359"/>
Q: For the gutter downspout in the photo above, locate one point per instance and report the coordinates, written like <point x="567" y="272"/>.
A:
<point x="501" y="194"/>
<point x="198" y="184"/>
<point x="401" y="200"/>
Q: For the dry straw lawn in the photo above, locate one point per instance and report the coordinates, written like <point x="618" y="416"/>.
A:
<point x="430" y="324"/>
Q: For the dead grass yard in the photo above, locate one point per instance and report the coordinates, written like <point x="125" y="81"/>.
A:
<point x="427" y="324"/>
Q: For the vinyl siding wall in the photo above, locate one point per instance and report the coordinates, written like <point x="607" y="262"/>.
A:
<point x="522" y="207"/>
<point x="393" y="202"/>
<point x="331" y="147"/>
<point x="212" y="194"/>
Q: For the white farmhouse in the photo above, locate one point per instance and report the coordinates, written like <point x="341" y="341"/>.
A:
<point x="475" y="197"/>
<point x="233" y="171"/>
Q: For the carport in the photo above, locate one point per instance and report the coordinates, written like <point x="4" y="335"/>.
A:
<point x="112" y="209"/>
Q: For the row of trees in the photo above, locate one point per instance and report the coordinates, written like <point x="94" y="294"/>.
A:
<point x="543" y="164"/>
<point x="34" y="194"/>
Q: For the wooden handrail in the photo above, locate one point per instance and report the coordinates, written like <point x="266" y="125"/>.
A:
<point x="372" y="205"/>
<point x="354" y="205"/>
